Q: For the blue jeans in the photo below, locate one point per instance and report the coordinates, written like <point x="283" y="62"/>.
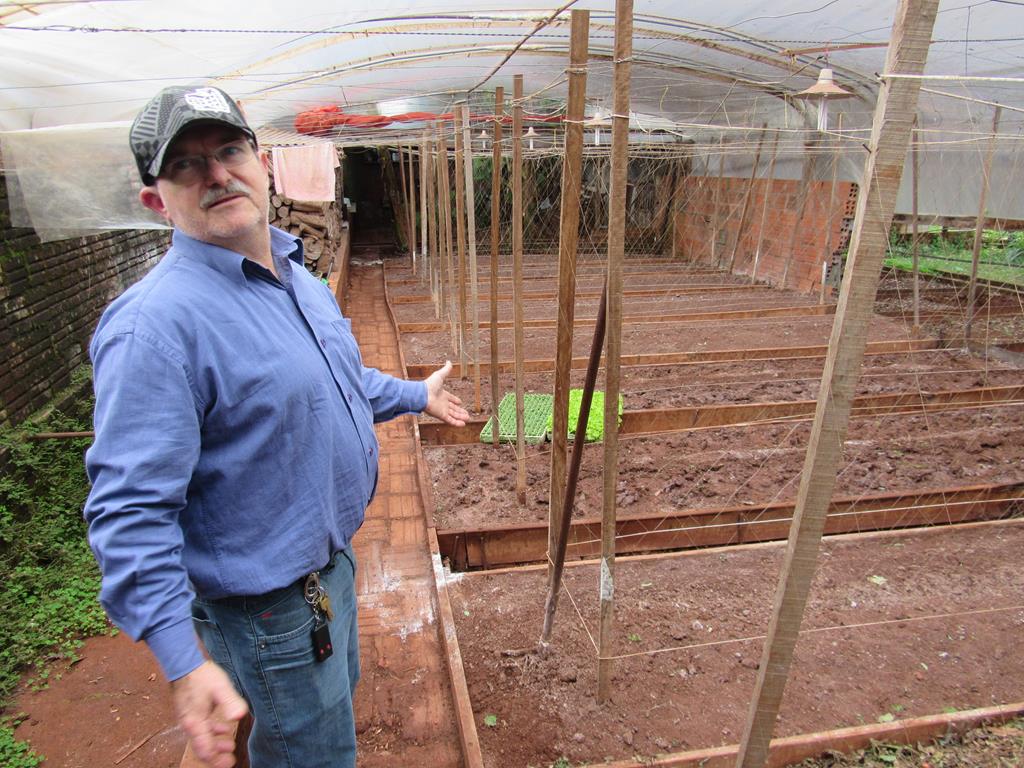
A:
<point x="301" y="708"/>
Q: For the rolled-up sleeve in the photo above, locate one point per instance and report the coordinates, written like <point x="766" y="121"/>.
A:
<point x="390" y="396"/>
<point x="140" y="464"/>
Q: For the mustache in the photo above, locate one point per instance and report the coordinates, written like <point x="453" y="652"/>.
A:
<point x="233" y="187"/>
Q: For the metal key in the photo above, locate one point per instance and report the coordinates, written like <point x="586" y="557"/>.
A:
<point x="325" y="604"/>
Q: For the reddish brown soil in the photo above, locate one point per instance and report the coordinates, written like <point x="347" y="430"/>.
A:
<point x="111" y="708"/>
<point x="676" y="386"/>
<point x="697" y="695"/>
<point x="474" y="485"/>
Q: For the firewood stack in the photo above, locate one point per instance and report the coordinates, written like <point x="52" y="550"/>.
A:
<point x="318" y="224"/>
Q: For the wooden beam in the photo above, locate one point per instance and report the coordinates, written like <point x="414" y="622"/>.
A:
<point x="517" y="279"/>
<point x="746" y="197"/>
<point x="541" y="365"/>
<point x="568" y="245"/>
<point x="460" y="230"/>
<point x="474" y="278"/>
<point x="979" y="229"/>
<point x="764" y="207"/>
<point x="497" y="546"/>
<point x="613" y="337"/>
<point x="651" y="421"/>
<point x="890" y="139"/>
<point x="429" y="180"/>
<point x="449" y="242"/>
<point x="638" y="293"/>
<point x="807" y="310"/>
<point x="499" y="113"/>
<point x="915" y="241"/>
<point x="795" y="749"/>
<point x="423" y="200"/>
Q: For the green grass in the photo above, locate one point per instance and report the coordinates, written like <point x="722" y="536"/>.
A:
<point x="1001" y="258"/>
<point x="48" y="604"/>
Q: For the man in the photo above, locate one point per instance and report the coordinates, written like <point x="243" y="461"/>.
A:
<point x="234" y="453"/>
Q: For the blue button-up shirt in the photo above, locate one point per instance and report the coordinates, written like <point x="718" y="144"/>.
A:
<point x="234" y="446"/>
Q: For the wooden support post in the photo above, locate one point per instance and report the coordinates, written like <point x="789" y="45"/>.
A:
<point x="613" y="339"/>
<point x="412" y="208"/>
<point x="677" y="204"/>
<point x="764" y="208"/>
<point x="915" y="242"/>
<point x="831" y="212"/>
<point x="517" y="277"/>
<point x="979" y="227"/>
<point x="405" y="202"/>
<point x="716" y="230"/>
<point x="499" y="111"/>
<point x="890" y="138"/>
<point x="442" y="248"/>
<point x="806" y="179"/>
<point x="568" y="245"/>
<point x="423" y="202"/>
<point x="474" y="289"/>
<point x="460" y="231"/>
<point x="430" y="214"/>
<point x="449" y="248"/>
<point x="746" y="197"/>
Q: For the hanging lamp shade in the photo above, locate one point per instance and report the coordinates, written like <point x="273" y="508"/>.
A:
<point x="826" y="88"/>
<point x="824" y="91"/>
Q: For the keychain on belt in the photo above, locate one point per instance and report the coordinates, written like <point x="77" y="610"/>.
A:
<point x="318" y="599"/>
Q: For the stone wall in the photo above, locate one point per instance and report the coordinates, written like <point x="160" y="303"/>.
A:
<point x="51" y="297"/>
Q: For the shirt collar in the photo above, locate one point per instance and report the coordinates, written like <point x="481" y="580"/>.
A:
<point x="229" y="263"/>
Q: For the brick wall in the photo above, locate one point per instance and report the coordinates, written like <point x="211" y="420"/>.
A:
<point x="708" y="223"/>
<point x="51" y="297"/>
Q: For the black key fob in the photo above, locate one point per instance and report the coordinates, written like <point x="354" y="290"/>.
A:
<point x="322" y="647"/>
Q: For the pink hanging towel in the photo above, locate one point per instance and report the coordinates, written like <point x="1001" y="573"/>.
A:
<point x="305" y="173"/>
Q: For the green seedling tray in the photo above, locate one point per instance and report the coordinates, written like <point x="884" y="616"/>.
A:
<point x="595" y="422"/>
<point x="537" y="410"/>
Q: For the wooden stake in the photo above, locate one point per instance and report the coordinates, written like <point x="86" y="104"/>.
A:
<point x="430" y="214"/>
<point x="890" y="138"/>
<point x="412" y="207"/>
<point x="449" y="249"/>
<point x="517" y="277"/>
<point x="979" y="228"/>
<point x="568" y="245"/>
<point x="764" y="208"/>
<point x="442" y="271"/>
<point x="460" y="229"/>
<point x="405" y="202"/>
<point x="556" y="551"/>
<point x="423" y="201"/>
<point x="499" y="111"/>
<point x="474" y="292"/>
<point x="718" y="196"/>
<point x="806" y="178"/>
<point x="831" y="212"/>
<point x="746" y="197"/>
<point x="915" y="243"/>
<point x="613" y="341"/>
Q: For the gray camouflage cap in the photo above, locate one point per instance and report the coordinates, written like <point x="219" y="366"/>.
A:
<point x="171" y="111"/>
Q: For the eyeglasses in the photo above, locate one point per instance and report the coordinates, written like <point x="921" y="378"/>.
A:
<point x="188" y="169"/>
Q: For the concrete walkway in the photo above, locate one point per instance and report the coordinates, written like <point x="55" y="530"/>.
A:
<point x="404" y="711"/>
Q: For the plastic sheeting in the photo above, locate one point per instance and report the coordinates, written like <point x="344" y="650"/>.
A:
<point x="703" y="67"/>
<point x="74" y="180"/>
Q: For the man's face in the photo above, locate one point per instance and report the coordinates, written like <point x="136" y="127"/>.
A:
<point x="212" y="186"/>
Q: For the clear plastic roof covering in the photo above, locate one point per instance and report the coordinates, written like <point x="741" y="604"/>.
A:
<point x="700" y="70"/>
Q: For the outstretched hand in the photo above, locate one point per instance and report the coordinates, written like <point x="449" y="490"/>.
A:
<point x="442" y="404"/>
<point x="208" y="709"/>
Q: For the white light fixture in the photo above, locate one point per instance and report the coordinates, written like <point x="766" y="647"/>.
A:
<point x="824" y="91"/>
<point x="531" y="134"/>
<point x="483" y="139"/>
